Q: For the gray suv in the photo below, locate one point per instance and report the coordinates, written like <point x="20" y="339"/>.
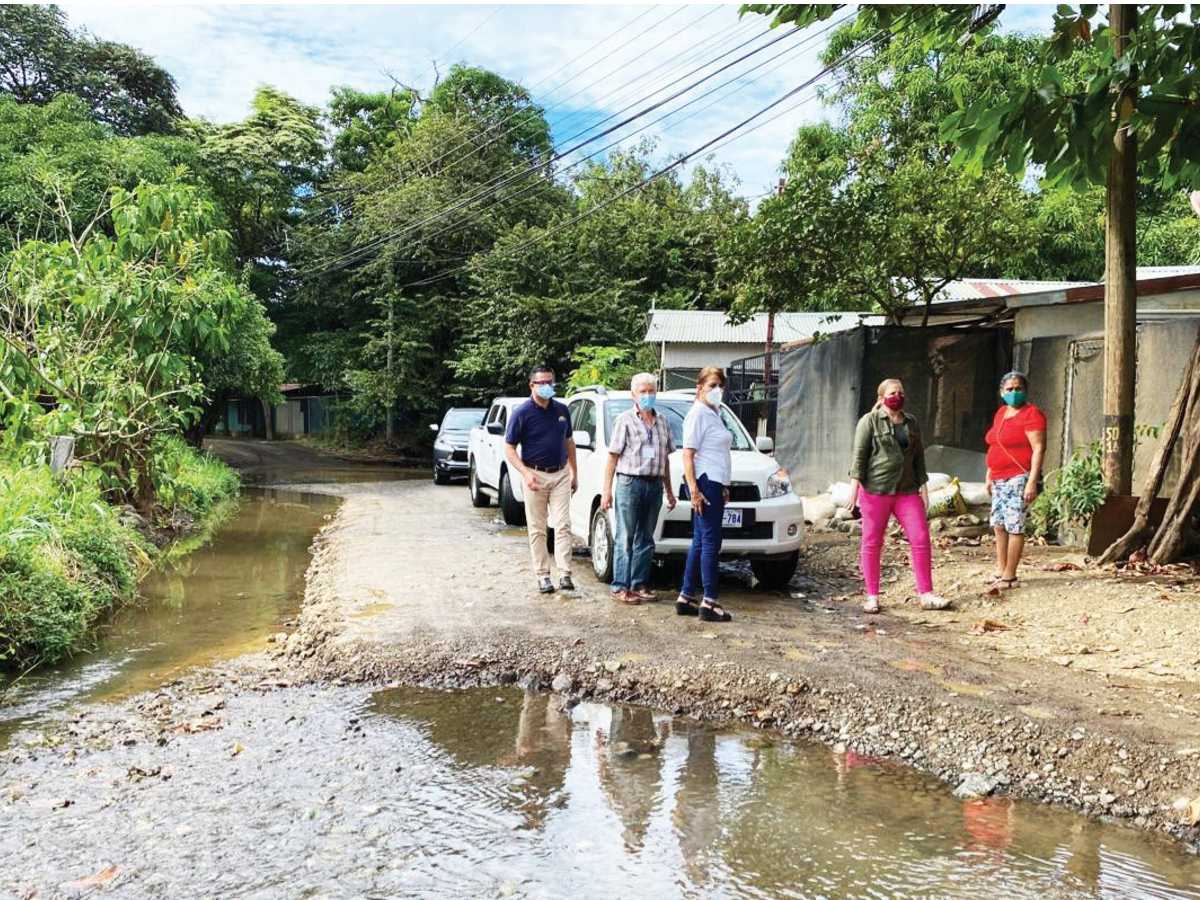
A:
<point x="450" y="446"/>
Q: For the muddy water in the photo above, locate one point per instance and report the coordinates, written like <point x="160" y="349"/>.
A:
<point x="517" y="795"/>
<point x="216" y="602"/>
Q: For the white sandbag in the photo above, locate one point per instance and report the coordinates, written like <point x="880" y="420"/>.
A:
<point x="818" y="508"/>
<point x="839" y="492"/>
<point x="974" y="493"/>
<point x="938" y="480"/>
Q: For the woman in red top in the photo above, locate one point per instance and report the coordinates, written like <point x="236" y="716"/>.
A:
<point x="1016" y="445"/>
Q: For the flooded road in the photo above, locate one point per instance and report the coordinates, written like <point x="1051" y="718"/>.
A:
<point x="226" y="782"/>
<point x="335" y="792"/>
<point x="215" y="603"/>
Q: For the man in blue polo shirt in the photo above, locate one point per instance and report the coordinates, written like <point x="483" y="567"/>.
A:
<point x="541" y="428"/>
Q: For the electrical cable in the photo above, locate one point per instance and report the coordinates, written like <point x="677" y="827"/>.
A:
<point x="728" y="133"/>
<point x="536" y="166"/>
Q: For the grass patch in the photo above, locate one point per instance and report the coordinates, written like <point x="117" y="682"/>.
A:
<point x="67" y="556"/>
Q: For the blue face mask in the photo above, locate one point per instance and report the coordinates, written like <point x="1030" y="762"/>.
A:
<point x="545" y="391"/>
<point x="1013" y="398"/>
<point x="647" y="401"/>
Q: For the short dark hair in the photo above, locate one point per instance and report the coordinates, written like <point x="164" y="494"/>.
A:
<point x="538" y="370"/>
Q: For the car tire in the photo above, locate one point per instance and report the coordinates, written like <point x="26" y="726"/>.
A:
<point x="774" y="572"/>
<point x="479" y="499"/>
<point x="600" y="542"/>
<point x="440" y="477"/>
<point x="514" y="512"/>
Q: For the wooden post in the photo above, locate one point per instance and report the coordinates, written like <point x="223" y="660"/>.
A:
<point x="391" y="410"/>
<point x="1120" y="279"/>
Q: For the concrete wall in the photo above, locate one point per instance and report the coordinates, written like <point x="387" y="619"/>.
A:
<point x="1085" y="319"/>
<point x="1067" y="381"/>
<point x="697" y="356"/>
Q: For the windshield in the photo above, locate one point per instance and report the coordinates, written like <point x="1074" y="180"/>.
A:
<point x="676" y="411"/>
<point x="463" y="419"/>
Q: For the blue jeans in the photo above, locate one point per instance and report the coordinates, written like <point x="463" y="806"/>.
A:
<point x="638" y="501"/>
<point x="703" y="556"/>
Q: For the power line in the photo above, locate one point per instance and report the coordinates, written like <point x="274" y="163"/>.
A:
<point x="728" y="133"/>
<point x="476" y="147"/>
<point x="543" y="185"/>
<point x="536" y="166"/>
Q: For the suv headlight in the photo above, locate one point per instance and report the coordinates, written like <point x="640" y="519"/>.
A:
<point x="779" y="484"/>
<point x="443" y="444"/>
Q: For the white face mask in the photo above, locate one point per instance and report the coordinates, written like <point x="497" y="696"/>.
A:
<point x="715" y="396"/>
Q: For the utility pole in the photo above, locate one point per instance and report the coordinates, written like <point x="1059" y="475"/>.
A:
<point x="391" y="409"/>
<point x="1120" y="277"/>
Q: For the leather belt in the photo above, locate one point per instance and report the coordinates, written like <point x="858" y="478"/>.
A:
<point x="549" y="470"/>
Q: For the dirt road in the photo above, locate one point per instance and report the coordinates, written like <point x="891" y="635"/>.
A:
<point x="410" y="583"/>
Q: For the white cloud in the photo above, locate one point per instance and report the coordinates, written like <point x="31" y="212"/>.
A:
<point x="220" y="54"/>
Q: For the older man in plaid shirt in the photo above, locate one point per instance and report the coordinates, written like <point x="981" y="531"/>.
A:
<point x="639" y="458"/>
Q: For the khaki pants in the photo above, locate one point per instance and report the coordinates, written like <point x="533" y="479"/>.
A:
<point x="553" y="497"/>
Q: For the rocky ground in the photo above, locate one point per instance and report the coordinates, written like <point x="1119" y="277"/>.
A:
<point x="1079" y="689"/>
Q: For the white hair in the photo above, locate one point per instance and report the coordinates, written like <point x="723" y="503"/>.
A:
<point x="643" y="378"/>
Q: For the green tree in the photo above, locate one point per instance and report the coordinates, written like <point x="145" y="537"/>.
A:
<point x="258" y="168"/>
<point x="541" y="293"/>
<point x="41" y="58"/>
<point x="60" y="143"/>
<point x="100" y="335"/>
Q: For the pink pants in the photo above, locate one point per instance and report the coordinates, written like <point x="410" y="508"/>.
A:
<point x="909" y="510"/>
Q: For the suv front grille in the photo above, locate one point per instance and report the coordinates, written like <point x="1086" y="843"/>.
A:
<point x="744" y="492"/>
<point x="759" y="531"/>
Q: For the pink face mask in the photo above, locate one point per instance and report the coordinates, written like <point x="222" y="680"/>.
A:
<point x="894" y="401"/>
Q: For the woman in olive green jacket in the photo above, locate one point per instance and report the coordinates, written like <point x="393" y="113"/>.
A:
<point x="888" y="477"/>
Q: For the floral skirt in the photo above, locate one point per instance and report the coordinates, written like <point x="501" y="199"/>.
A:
<point x="1008" y="504"/>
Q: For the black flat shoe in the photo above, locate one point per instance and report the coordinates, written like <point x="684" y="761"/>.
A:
<point x="685" y="607"/>
<point x="710" y="614"/>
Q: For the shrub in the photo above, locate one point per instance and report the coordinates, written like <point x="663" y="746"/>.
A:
<point x="1072" y="494"/>
<point x="65" y="557"/>
<point x="189" y="480"/>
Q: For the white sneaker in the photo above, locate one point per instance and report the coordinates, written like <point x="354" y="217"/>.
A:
<point x="933" y="601"/>
<point x="872" y="604"/>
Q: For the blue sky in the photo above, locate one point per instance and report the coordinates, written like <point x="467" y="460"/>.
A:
<point x="220" y="54"/>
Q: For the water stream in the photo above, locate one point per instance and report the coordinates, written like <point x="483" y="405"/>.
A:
<point x="214" y="603"/>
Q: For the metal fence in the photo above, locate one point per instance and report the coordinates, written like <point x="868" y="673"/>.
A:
<point x="752" y="391"/>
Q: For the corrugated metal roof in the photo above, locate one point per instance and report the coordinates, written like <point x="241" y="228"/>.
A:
<point x="987" y="288"/>
<point x="1165" y="271"/>
<point x="691" y="326"/>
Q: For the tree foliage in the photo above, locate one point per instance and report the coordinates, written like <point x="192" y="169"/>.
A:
<point x="100" y="336"/>
<point x="41" y="58"/>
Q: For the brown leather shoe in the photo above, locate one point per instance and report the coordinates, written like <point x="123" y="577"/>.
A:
<point x="628" y="597"/>
<point x="644" y="594"/>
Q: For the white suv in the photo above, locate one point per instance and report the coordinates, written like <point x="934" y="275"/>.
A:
<point x="764" y="519"/>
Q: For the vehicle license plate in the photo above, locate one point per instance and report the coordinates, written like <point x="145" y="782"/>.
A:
<point x="732" y="519"/>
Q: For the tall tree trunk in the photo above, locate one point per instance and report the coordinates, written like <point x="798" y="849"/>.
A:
<point x="1185" y="409"/>
<point x="268" y="425"/>
<point x="1120" y="278"/>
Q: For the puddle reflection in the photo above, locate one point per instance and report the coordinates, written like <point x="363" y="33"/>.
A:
<point x="613" y="800"/>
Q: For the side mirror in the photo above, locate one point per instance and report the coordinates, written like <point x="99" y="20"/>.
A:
<point x="433" y="426"/>
<point x="583" y="440"/>
<point x="495" y="428"/>
<point x="764" y="444"/>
